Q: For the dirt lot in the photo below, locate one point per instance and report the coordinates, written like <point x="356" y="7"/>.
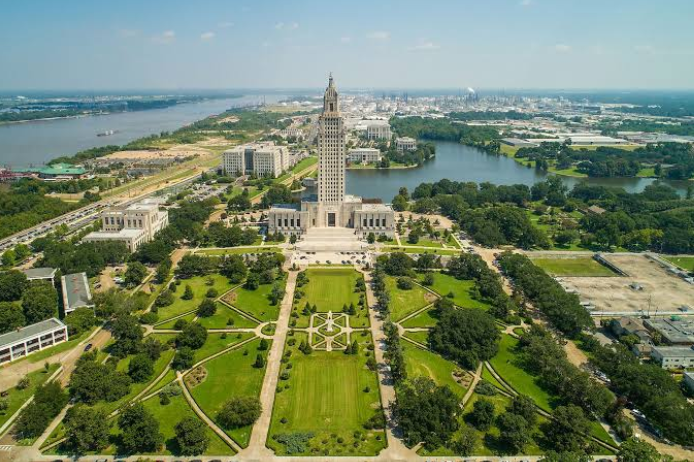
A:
<point x="613" y="295"/>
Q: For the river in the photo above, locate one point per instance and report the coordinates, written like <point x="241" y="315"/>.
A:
<point x="37" y="142"/>
<point x="464" y="163"/>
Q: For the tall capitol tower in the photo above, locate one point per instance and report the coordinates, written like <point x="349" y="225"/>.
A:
<point x="331" y="149"/>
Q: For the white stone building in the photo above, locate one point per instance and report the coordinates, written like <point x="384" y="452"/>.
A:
<point x="30" y="339"/>
<point x="260" y="159"/>
<point x="364" y="155"/>
<point x="332" y="208"/>
<point x="133" y="225"/>
<point x="405" y="143"/>
<point x="378" y="130"/>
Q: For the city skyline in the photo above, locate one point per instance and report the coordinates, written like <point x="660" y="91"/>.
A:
<point x="501" y="44"/>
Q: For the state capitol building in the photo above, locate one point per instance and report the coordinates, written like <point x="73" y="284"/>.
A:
<point x="332" y="208"/>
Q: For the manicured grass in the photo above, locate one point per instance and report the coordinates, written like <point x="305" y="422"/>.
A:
<point x="445" y="284"/>
<point x="572" y="266"/>
<point x="16" y="397"/>
<point x="256" y="302"/>
<point x="421" y="337"/>
<point x="426" y="318"/>
<point x="405" y="302"/>
<point x="170" y="324"/>
<point x="170" y="415"/>
<point x="231" y="375"/>
<point x="505" y="363"/>
<point x="326" y="395"/>
<point x="421" y="362"/>
<point x="217" y="342"/>
<point x="330" y="290"/>
<point x="199" y="286"/>
<point x="220" y="320"/>
<point x="686" y="263"/>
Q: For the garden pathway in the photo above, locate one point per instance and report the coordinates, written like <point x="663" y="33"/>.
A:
<point x="256" y="448"/>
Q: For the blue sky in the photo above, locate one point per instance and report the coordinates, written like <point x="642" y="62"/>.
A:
<point x="126" y="44"/>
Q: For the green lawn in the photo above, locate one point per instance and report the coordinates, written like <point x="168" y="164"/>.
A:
<point x="327" y="396"/>
<point x="505" y="363"/>
<point x="421" y="362"/>
<point x="216" y="343"/>
<point x="572" y="266"/>
<point x="686" y="263"/>
<point x="330" y="290"/>
<point x="255" y="302"/>
<point x="16" y="398"/>
<point x="199" y="286"/>
<point x="229" y="376"/>
<point x="406" y="302"/>
<point x="172" y="413"/>
<point x="220" y="320"/>
<point x="421" y="337"/>
<point x="445" y="284"/>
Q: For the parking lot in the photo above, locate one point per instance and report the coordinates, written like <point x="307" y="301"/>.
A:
<point x="646" y="289"/>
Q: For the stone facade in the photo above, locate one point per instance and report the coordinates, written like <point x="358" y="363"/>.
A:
<point x="332" y="207"/>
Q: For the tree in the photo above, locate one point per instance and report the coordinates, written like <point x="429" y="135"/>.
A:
<point x="482" y="414"/>
<point x="188" y="293"/>
<point x="39" y="302"/>
<point x="192" y="336"/>
<point x="135" y="274"/>
<point x="636" y="450"/>
<point x="239" y="412"/>
<point x="207" y="308"/>
<point x="183" y="359"/>
<point x="515" y="431"/>
<point x="140" y="368"/>
<point x="140" y="430"/>
<point x="426" y="412"/>
<point x="86" y="429"/>
<point x="11" y="317"/>
<point x="12" y="285"/>
<point x="567" y="430"/>
<point x="466" y="336"/>
<point x="191" y="436"/>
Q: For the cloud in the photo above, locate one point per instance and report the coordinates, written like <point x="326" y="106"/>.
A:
<point x="425" y="46"/>
<point x="378" y="35"/>
<point x="225" y="25"/>
<point x="128" y="33"/>
<point x="165" y="37"/>
<point x="345" y="39"/>
<point x="562" y="48"/>
<point x="526" y="3"/>
<point x="206" y="36"/>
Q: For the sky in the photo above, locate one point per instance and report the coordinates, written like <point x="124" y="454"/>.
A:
<point x="216" y="44"/>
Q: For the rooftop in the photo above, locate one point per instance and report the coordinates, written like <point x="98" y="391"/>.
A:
<point x="29" y="331"/>
<point x="39" y="273"/>
<point x="76" y="291"/>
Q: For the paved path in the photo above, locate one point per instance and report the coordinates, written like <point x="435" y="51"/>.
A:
<point x="256" y="447"/>
<point x="396" y="449"/>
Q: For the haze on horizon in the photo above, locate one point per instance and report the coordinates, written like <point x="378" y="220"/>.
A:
<point x="216" y="44"/>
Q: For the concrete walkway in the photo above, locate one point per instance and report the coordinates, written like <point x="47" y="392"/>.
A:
<point x="256" y="449"/>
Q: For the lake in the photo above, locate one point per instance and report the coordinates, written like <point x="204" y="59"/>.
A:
<point x="37" y="142"/>
<point x="464" y="163"/>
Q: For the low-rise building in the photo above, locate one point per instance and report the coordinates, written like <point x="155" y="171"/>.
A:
<point x="40" y="274"/>
<point x="76" y="292"/>
<point x="405" y="143"/>
<point x="30" y="339"/>
<point x="364" y="155"/>
<point x="673" y="357"/>
<point x="133" y="225"/>
<point x="378" y="129"/>
<point x="259" y="159"/>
